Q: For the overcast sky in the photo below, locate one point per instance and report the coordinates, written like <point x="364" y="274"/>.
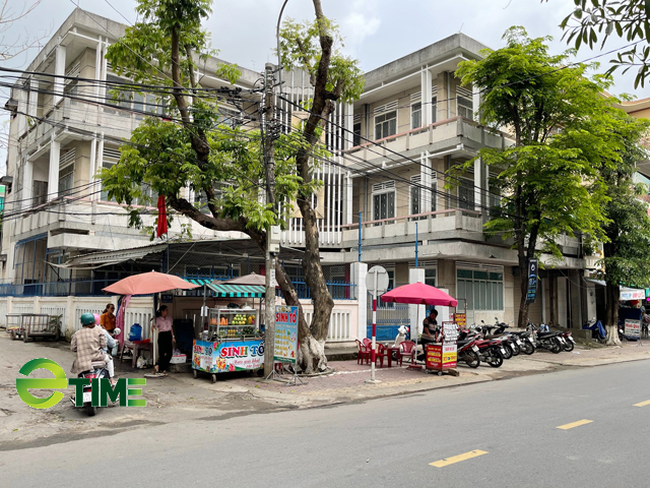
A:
<point x="376" y="31"/>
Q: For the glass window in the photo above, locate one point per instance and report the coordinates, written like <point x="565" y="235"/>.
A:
<point x="415" y="200"/>
<point x="465" y="107"/>
<point x="416" y="115"/>
<point x="430" y="276"/>
<point x="104" y="195"/>
<point x="434" y="109"/>
<point x="356" y="134"/>
<point x="466" y="194"/>
<point x="434" y="196"/>
<point x="66" y="180"/>
<point x="383" y="205"/>
<point x="386" y="124"/>
<point x="483" y="290"/>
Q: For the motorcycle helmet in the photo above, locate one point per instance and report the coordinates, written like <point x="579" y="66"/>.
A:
<point x="87" y="318"/>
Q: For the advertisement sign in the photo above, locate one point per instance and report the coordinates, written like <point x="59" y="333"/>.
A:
<point x="631" y="294"/>
<point x="450" y="332"/>
<point x="531" y="292"/>
<point x="461" y="320"/>
<point x="441" y="357"/>
<point x="286" y="334"/>
<point x="632" y="329"/>
<point x="449" y="355"/>
<point x="215" y="357"/>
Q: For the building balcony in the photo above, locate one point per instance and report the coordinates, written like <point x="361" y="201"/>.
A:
<point x="441" y="224"/>
<point x="455" y="135"/>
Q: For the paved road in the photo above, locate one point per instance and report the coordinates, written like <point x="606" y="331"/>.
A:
<point x="506" y="434"/>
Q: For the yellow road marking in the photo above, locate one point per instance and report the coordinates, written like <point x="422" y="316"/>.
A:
<point x="575" y="424"/>
<point x="642" y="404"/>
<point x="456" y="459"/>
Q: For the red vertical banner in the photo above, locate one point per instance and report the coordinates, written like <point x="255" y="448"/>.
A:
<point x="162" y="216"/>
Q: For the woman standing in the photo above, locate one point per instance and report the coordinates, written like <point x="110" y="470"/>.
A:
<point x="107" y="320"/>
<point x="166" y="337"/>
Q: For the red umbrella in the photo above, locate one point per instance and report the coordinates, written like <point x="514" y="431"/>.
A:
<point x="147" y="283"/>
<point x="419" y="294"/>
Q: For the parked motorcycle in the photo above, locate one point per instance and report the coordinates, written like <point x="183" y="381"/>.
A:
<point x="468" y="352"/>
<point x="550" y="341"/>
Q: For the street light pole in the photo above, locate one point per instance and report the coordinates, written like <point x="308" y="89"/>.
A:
<point x="277" y="40"/>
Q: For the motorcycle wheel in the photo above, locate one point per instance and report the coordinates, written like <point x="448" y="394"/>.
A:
<point x="89" y="409"/>
<point x="472" y="359"/>
<point x="555" y="347"/>
<point x="527" y="348"/>
<point x="508" y="349"/>
<point x="495" y="359"/>
<point x="515" y="349"/>
<point x="568" y="346"/>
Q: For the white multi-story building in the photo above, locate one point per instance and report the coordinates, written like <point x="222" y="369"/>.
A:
<point x="383" y="201"/>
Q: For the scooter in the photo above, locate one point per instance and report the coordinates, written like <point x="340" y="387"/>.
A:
<point x="99" y="371"/>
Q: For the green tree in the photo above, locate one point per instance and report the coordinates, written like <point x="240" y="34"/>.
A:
<point x="221" y="164"/>
<point x="595" y="21"/>
<point x="543" y="176"/>
<point x="627" y="228"/>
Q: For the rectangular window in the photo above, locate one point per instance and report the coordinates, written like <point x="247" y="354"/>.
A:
<point x="110" y="158"/>
<point x="40" y="192"/>
<point x="416" y="115"/>
<point x="434" y="109"/>
<point x="483" y="290"/>
<point x="464" y="103"/>
<point x="356" y="134"/>
<point x="434" y="195"/>
<point x="466" y="194"/>
<point x="416" y="195"/>
<point x="386" y="124"/>
<point x="66" y="179"/>
<point x="383" y="205"/>
<point x="430" y="276"/>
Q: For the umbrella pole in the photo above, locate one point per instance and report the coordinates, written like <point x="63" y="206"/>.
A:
<point x="413" y="365"/>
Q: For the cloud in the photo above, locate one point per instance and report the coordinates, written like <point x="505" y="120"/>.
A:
<point x="361" y="21"/>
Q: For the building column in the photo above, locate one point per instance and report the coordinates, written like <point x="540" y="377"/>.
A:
<point x="28" y="185"/>
<point x="425" y="92"/>
<point x="59" y="70"/>
<point x="358" y="273"/>
<point x="53" y="177"/>
<point x="417" y="313"/>
<point x="32" y="104"/>
<point x="348" y="123"/>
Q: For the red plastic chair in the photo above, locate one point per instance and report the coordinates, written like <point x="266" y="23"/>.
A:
<point x="406" y="349"/>
<point x="381" y="353"/>
<point x="367" y="342"/>
<point x="363" y="354"/>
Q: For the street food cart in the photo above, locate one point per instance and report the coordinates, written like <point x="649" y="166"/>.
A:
<point x="233" y="343"/>
<point x="422" y="294"/>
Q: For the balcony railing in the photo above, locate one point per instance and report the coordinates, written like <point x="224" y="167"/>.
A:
<point x="452" y="219"/>
<point x="450" y="130"/>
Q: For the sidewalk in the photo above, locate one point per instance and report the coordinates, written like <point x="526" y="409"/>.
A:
<point x="181" y="397"/>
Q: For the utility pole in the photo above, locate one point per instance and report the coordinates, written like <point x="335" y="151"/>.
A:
<point x="269" y="126"/>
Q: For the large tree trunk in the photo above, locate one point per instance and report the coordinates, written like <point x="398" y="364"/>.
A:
<point x="612" y="294"/>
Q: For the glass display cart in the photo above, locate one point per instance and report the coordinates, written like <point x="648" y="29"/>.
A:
<point x="233" y="343"/>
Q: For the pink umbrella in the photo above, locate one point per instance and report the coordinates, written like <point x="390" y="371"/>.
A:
<point x="419" y="294"/>
<point x="147" y="283"/>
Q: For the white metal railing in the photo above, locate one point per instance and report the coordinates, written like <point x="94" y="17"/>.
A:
<point x="340" y="328"/>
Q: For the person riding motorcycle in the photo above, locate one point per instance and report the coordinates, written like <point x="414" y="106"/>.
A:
<point x="88" y="343"/>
